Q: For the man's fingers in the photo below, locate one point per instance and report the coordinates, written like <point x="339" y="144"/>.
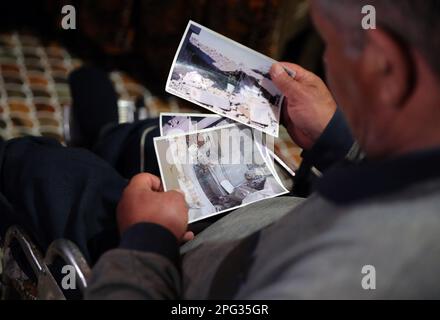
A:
<point x="145" y="181"/>
<point x="282" y="79"/>
<point x="188" y="236"/>
<point x="301" y="74"/>
<point x="180" y="195"/>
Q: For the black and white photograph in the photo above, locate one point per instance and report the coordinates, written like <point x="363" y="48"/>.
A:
<point x="215" y="177"/>
<point x="226" y="78"/>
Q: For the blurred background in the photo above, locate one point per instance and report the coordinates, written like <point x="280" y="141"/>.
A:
<point x="135" y="41"/>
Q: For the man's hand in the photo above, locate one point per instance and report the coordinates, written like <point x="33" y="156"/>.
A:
<point x="144" y="201"/>
<point x="309" y="105"/>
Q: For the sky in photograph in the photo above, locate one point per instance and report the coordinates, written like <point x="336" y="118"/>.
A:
<point x="233" y="51"/>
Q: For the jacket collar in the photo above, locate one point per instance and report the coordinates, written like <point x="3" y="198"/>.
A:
<point x="349" y="182"/>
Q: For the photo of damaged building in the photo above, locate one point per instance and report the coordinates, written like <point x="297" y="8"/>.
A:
<point x="173" y="124"/>
<point x="212" y="186"/>
<point x="227" y="79"/>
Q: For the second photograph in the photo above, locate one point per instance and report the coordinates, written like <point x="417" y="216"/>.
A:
<point x="218" y="169"/>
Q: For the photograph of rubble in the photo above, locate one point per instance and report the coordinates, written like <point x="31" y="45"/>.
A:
<point x="179" y="123"/>
<point x="218" y="169"/>
<point x="226" y="78"/>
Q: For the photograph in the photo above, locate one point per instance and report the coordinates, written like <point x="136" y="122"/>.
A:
<point x="218" y="170"/>
<point x="179" y="123"/>
<point x="226" y="78"/>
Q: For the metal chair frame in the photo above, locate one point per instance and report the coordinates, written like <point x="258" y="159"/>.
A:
<point x="46" y="287"/>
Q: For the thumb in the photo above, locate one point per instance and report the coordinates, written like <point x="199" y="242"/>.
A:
<point x="284" y="79"/>
<point x="188" y="236"/>
<point x="145" y="181"/>
<point x="300" y="74"/>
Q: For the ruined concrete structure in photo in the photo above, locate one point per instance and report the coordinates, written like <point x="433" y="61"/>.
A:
<point x="226" y="78"/>
<point x="194" y="164"/>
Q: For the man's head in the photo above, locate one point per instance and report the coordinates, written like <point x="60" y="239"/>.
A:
<point x="387" y="81"/>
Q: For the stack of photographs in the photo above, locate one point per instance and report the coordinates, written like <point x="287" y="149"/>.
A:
<point x="225" y="160"/>
<point x="180" y="123"/>
<point x="219" y="165"/>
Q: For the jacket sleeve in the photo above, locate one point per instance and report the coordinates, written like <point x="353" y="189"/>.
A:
<point x="333" y="146"/>
<point x="145" y="266"/>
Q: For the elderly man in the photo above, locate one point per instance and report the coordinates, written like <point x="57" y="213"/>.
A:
<point x="377" y="214"/>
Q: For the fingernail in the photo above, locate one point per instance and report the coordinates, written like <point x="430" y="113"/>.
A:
<point x="291" y="73"/>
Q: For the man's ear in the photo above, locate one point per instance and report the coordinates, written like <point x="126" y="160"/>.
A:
<point x="387" y="68"/>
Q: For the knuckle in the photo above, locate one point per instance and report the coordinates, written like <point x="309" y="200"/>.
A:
<point x="140" y="177"/>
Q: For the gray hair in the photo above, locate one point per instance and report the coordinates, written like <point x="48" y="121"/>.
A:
<point x="415" y="23"/>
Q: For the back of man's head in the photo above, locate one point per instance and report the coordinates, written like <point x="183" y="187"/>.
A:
<point x="387" y="79"/>
<point x="415" y="23"/>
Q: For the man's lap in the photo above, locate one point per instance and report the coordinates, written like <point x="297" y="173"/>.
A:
<point x="57" y="192"/>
